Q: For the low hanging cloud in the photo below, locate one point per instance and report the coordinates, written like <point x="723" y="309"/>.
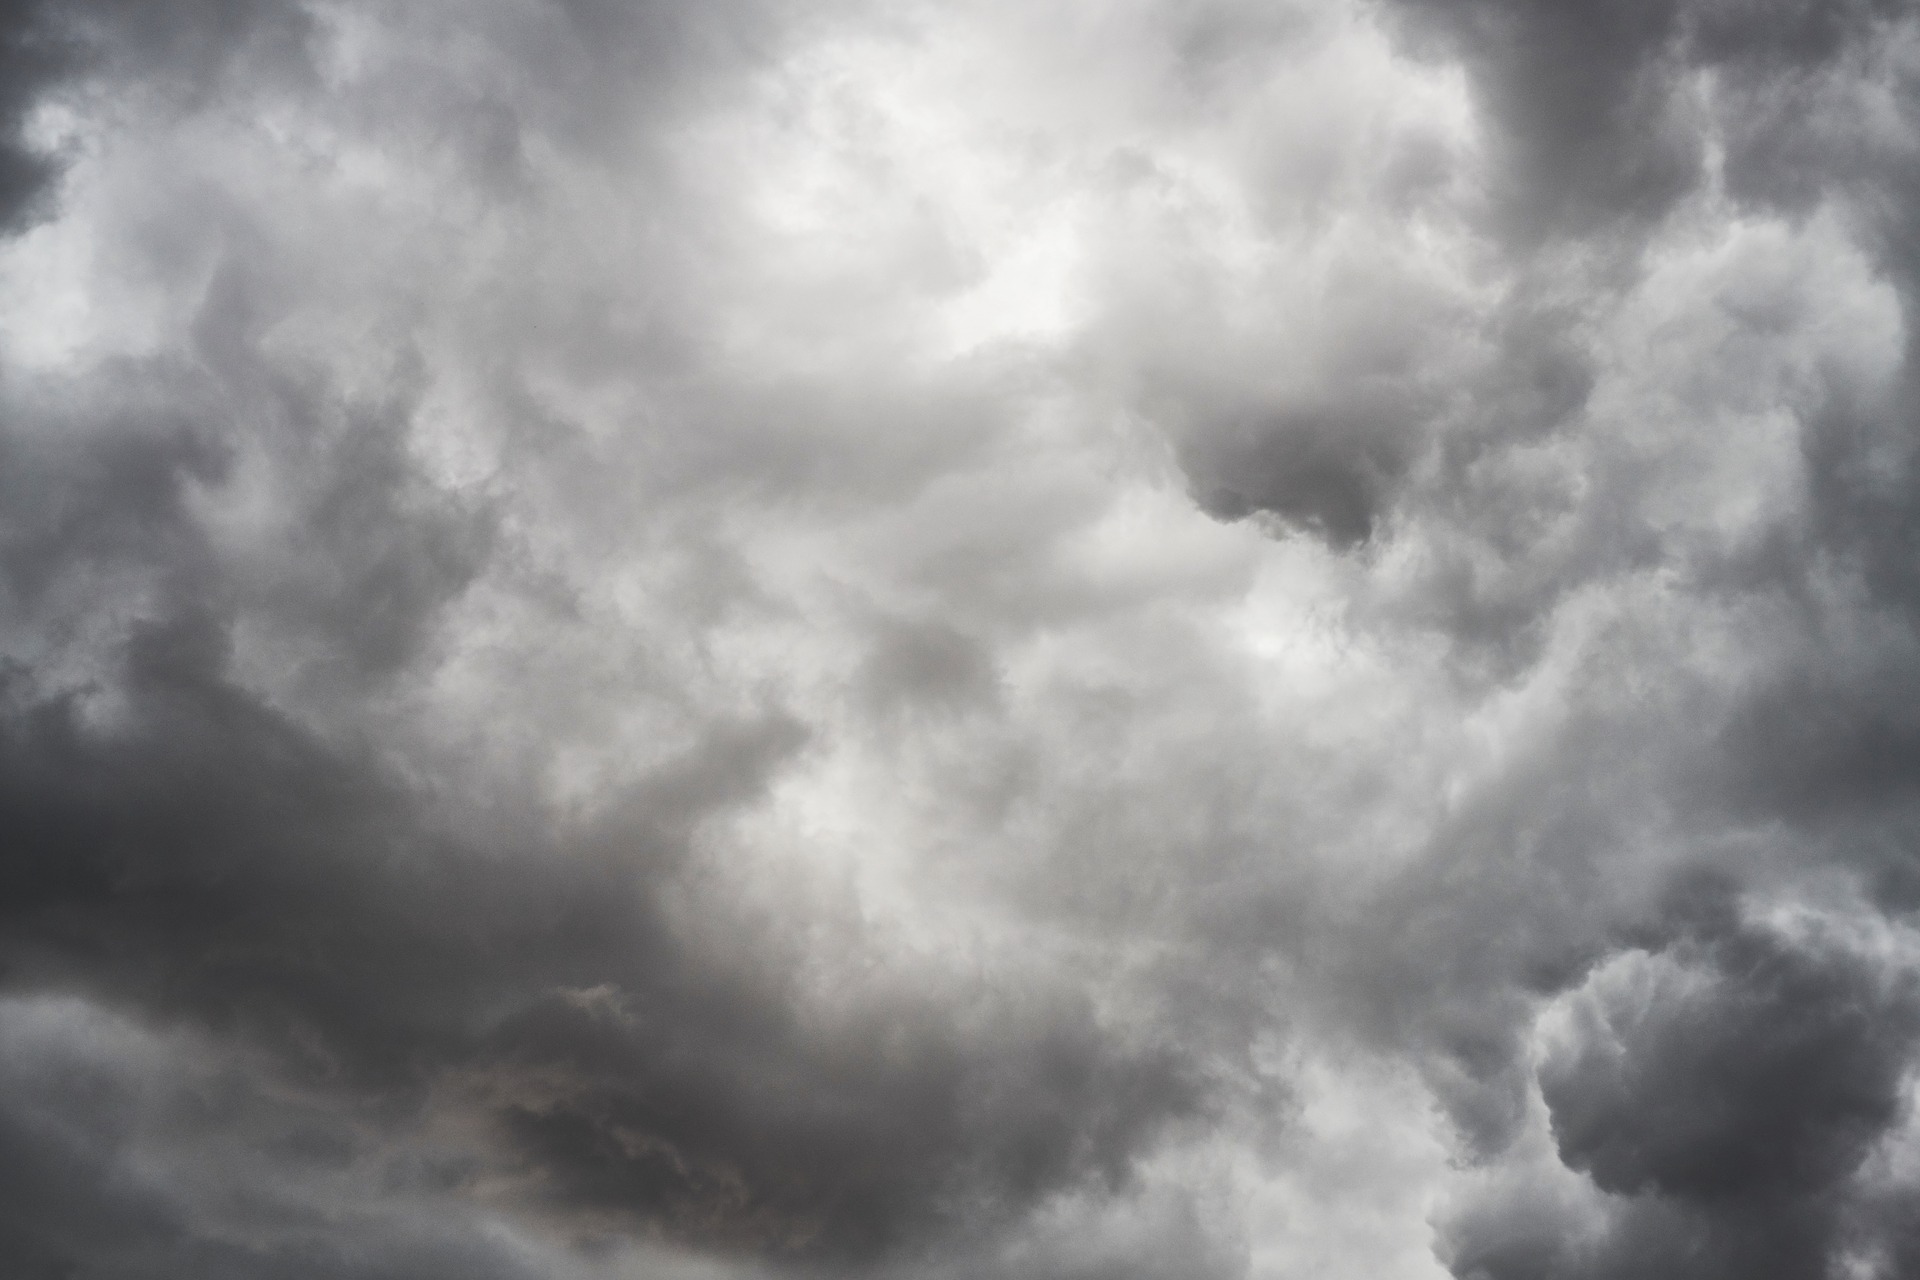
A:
<point x="1066" y="640"/>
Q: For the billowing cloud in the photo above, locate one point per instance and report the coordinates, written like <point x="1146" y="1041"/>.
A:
<point x="1064" y="640"/>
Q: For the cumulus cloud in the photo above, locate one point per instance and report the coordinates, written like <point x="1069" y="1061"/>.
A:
<point x="1065" y="640"/>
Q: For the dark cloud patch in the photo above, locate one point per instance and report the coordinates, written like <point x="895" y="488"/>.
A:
<point x="1327" y="471"/>
<point x="125" y="1157"/>
<point x="1817" y="745"/>
<point x="822" y="1153"/>
<point x="84" y="497"/>
<point x="926" y="664"/>
<point x="1598" y="117"/>
<point x="192" y="39"/>
<point x="1789" y="75"/>
<point x="211" y="862"/>
<point x="1862" y="464"/>
<point x="181" y="47"/>
<point x="32" y="57"/>
<point x="1759" y="1072"/>
<point x="1585" y="106"/>
<point x="1724" y="1090"/>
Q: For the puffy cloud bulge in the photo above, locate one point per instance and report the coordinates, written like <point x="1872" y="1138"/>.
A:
<point x="1173" y="638"/>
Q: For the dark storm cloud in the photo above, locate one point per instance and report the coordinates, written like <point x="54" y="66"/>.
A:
<point x="1593" y="105"/>
<point x="31" y="57"/>
<point x="1724" y="1089"/>
<point x="1726" y="1108"/>
<point x="1725" y="1117"/>
<point x="1775" y="1079"/>
<point x="1327" y="470"/>
<point x="127" y="1154"/>
<point x="443" y="831"/>
<point x="208" y="861"/>
<point x="182" y="45"/>
<point x="183" y="850"/>
<point x="1584" y="100"/>
<point x="206" y="858"/>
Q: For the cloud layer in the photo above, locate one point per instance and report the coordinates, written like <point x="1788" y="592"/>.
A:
<point x="1090" y="642"/>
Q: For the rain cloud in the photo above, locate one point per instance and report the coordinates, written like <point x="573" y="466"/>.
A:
<point x="1180" y="638"/>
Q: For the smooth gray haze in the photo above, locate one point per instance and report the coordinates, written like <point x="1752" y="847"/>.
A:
<point x="1050" y="639"/>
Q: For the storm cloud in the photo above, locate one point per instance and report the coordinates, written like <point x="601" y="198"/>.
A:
<point x="1183" y="638"/>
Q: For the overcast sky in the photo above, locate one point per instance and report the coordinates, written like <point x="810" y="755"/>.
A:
<point x="955" y="639"/>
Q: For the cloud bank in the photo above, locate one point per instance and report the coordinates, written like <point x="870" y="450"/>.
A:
<point x="1181" y="638"/>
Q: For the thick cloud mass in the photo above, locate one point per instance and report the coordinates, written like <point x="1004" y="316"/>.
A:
<point x="1078" y="641"/>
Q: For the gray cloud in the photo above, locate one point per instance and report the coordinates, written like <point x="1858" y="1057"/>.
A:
<point x="1724" y="1089"/>
<point x="1064" y="641"/>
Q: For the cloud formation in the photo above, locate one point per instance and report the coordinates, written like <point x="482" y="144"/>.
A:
<point x="1096" y="642"/>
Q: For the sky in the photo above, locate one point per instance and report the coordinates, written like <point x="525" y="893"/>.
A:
<point x="892" y="640"/>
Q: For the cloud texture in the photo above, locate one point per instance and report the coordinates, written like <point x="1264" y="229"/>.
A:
<point x="1178" y="638"/>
